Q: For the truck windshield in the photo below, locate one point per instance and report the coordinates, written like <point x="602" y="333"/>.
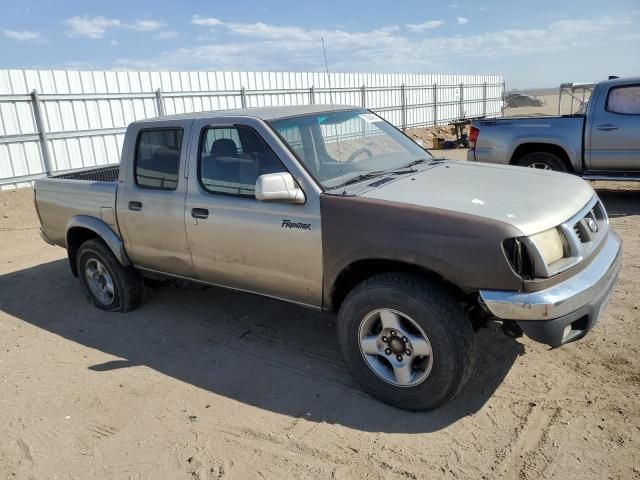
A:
<point x="347" y="146"/>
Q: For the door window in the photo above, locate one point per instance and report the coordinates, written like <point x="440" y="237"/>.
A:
<point x="158" y="158"/>
<point x="625" y="100"/>
<point x="232" y="159"/>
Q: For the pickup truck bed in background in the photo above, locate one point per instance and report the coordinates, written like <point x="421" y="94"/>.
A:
<point x="601" y="144"/>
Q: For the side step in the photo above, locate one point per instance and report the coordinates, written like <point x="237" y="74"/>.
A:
<point x="612" y="176"/>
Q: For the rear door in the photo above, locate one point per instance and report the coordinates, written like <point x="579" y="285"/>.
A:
<point x="613" y="139"/>
<point x="151" y="196"/>
<point x="237" y="241"/>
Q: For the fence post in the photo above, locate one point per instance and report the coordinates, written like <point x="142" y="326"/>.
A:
<point x="160" y="103"/>
<point x="42" y="133"/>
<point x="484" y="99"/>
<point x="363" y="96"/>
<point x="403" y="106"/>
<point x="461" y="100"/>
<point x="435" y="104"/>
<point x="504" y="86"/>
<point x="243" y="98"/>
<point x="312" y="95"/>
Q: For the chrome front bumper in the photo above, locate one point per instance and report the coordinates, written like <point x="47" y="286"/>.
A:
<point x="576" y="302"/>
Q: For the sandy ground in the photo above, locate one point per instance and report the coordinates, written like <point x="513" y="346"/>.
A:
<point x="213" y="384"/>
<point x="206" y="384"/>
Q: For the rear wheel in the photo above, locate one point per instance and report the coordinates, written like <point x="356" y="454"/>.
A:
<point x="542" y="161"/>
<point x="406" y="341"/>
<point x="108" y="285"/>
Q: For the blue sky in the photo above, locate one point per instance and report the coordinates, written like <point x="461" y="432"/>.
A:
<point x="533" y="44"/>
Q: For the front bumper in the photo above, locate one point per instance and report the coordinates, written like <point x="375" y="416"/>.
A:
<point x="567" y="311"/>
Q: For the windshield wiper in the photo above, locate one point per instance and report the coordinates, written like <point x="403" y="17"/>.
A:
<point x="409" y="165"/>
<point x="402" y="169"/>
<point x="364" y="176"/>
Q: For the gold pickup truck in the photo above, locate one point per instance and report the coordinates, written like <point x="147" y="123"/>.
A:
<point x="333" y="208"/>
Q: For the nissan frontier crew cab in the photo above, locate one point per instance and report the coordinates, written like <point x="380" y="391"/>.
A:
<point x="602" y="143"/>
<point x="333" y="208"/>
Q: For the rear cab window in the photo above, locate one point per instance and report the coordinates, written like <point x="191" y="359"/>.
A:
<point x="157" y="158"/>
<point x="624" y="100"/>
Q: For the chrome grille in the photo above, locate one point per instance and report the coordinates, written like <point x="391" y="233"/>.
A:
<point x="581" y="236"/>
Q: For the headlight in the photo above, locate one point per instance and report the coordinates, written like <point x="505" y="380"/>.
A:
<point x="549" y="244"/>
<point x="537" y="256"/>
<point x="558" y="249"/>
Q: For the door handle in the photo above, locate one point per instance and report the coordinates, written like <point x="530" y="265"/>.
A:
<point x="607" y="127"/>
<point x="199" y="212"/>
<point x="135" y="206"/>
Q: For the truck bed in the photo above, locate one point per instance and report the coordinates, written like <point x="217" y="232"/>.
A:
<point x="89" y="192"/>
<point x="109" y="173"/>
<point x="498" y="139"/>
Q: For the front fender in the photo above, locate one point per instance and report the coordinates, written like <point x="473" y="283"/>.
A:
<point x="464" y="249"/>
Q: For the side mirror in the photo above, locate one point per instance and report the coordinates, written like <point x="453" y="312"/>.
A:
<point x="278" y="187"/>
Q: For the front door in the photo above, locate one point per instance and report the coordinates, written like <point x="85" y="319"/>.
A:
<point x="237" y="241"/>
<point x="614" y="141"/>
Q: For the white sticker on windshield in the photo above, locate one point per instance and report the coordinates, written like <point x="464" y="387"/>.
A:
<point x="370" y="117"/>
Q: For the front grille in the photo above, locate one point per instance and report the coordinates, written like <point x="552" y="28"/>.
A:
<point x="588" y="227"/>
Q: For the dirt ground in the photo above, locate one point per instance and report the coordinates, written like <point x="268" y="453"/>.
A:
<point x="425" y="136"/>
<point x="550" y="107"/>
<point x="206" y="384"/>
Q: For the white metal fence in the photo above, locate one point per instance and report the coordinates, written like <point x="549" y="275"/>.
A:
<point x="53" y="121"/>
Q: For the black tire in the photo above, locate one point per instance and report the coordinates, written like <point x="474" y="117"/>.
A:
<point x="540" y="159"/>
<point x="440" y="317"/>
<point x="126" y="282"/>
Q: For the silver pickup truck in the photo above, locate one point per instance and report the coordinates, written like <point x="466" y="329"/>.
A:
<point x="603" y="143"/>
<point x="335" y="209"/>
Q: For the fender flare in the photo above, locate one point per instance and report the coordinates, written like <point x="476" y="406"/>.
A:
<point x="568" y="149"/>
<point x="103" y="231"/>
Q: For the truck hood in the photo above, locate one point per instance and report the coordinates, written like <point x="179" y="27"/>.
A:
<point x="530" y="200"/>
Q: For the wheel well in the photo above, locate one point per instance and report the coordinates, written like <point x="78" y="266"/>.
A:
<point x="527" y="148"/>
<point x="361" y="270"/>
<point x="76" y="236"/>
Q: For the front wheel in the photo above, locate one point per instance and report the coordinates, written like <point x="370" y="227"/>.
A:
<point x="406" y="341"/>
<point x="107" y="284"/>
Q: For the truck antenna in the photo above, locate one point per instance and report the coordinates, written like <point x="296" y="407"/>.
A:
<point x="333" y="109"/>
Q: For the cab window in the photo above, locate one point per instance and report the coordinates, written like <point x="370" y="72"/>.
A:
<point x="232" y="159"/>
<point x="157" y="159"/>
<point x="625" y="100"/>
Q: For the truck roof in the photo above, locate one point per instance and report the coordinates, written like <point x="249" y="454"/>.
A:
<point x="613" y="81"/>
<point x="621" y="81"/>
<point x="263" y="113"/>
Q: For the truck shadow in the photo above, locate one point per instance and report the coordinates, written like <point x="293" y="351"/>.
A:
<point x="261" y="352"/>
<point x="620" y="203"/>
